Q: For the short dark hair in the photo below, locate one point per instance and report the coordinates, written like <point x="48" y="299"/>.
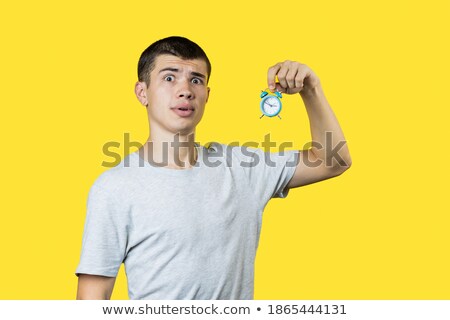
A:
<point x="178" y="46"/>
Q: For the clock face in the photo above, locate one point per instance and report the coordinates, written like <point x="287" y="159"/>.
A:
<point x="271" y="106"/>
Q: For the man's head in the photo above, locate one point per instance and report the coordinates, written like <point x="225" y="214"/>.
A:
<point x="180" y="47"/>
<point x="173" y="76"/>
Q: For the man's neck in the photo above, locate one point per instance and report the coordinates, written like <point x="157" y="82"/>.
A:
<point x="175" y="152"/>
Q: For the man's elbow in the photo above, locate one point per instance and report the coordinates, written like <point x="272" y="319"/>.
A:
<point x="341" y="167"/>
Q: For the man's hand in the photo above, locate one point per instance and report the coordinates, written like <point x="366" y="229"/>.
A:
<point x="293" y="77"/>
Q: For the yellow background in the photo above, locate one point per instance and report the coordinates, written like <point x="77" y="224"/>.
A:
<point x="380" y="231"/>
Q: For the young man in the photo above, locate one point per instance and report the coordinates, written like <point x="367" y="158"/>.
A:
<point x="185" y="219"/>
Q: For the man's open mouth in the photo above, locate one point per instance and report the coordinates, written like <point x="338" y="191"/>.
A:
<point x="184" y="111"/>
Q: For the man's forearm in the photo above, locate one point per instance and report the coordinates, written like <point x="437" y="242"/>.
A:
<point x="322" y="120"/>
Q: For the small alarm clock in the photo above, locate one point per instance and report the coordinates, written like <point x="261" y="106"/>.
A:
<point x="270" y="104"/>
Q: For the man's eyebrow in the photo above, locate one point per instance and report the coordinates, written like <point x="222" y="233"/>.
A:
<point x="169" y="69"/>
<point x="197" y="74"/>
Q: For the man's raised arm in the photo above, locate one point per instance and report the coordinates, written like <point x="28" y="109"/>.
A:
<point x="329" y="155"/>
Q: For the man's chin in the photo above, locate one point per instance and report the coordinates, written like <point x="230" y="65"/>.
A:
<point x="183" y="131"/>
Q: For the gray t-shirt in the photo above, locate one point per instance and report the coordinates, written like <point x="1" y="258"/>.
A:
<point x="183" y="234"/>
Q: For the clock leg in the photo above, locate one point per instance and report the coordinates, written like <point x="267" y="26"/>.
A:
<point x="279" y="117"/>
<point x="261" y="116"/>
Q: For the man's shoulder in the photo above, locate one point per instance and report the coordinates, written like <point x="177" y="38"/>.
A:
<point x="114" y="178"/>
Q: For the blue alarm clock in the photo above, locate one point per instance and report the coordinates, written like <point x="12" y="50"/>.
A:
<point x="270" y="104"/>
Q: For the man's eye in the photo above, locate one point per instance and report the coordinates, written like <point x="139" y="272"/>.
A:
<point x="169" y="78"/>
<point x="197" y="81"/>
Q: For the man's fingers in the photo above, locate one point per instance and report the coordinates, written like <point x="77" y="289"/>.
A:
<point x="271" y="76"/>
<point x="290" y="78"/>
<point x="282" y="75"/>
<point x="300" y="77"/>
<point x="279" y="88"/>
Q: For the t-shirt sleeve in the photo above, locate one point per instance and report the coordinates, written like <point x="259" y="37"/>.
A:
<point x="105" y="235"/>
<point x="268" y="173"/>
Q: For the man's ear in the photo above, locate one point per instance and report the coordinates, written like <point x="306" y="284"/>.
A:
<point x="140" y="89"/>
<point x="207" y="96"/>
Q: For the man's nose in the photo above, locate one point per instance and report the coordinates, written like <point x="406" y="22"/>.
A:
<point x="185" y="90"/>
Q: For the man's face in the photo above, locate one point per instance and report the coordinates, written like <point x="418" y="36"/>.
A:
<point x="177" y="94"/>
